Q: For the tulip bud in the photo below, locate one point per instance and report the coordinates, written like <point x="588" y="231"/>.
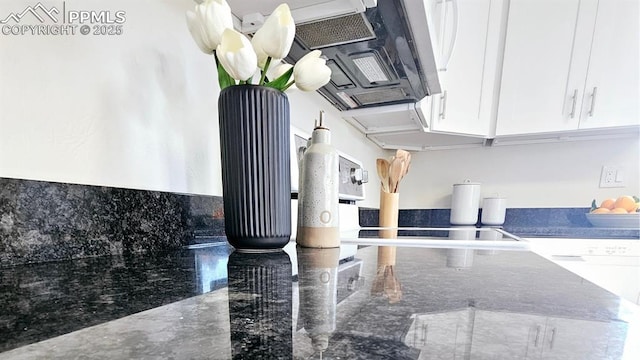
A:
<point x="236" y="55"/>
<point x="208" y="22"/>
<point x="276" y="35"/>
<point x="275" y="72"/>
<point x="311" y="72"/>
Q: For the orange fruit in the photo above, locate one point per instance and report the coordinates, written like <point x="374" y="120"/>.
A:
<point x="601" y="210"/>
<point x="619" y="210"/>
<point x="608" y="204"/>
<point x="627" y="203"/>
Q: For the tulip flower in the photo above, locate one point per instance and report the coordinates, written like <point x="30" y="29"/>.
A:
<point x="238" y="58"/>
<point x="276" y="35"/>
<point x="236" y="55"/>
<point x="275" y="72"/>
<point x="311" y="72"/>
<point x="208" y="22"/>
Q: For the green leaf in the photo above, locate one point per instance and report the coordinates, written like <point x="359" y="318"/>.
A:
<point x="636" y="199"/>
<point x="594" y="205"/>
<point x="280" y="82"/>
<point x="224" y="79"/>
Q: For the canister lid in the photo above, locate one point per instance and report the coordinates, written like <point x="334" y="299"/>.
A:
<point x="467" y="182"/>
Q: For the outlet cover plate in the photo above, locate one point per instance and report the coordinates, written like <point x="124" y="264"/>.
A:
<point x="612" y="177"/>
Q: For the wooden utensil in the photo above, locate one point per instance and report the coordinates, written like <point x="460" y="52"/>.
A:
<point x="406" y="156"/>
<point x="382" y="165"/>
<point x="396" y="170"/>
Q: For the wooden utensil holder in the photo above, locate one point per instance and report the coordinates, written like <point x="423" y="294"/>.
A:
<point x="388" y="214"/>
<point x="386" y="256"/>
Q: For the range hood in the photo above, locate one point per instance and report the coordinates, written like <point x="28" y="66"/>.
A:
<point x="380" y="52"/>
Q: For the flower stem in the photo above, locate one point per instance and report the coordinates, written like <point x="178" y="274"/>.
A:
<point x="288" y="85"/>
<point x="264" y="71"/>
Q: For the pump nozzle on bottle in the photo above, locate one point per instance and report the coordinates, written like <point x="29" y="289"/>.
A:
<point x="319" y="123"/>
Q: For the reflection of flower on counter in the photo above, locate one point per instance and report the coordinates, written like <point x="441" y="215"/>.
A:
<point x="386" y="282"/>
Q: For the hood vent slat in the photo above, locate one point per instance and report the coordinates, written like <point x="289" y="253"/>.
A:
<point x="375" y="97"/>
<point x="335" y="31"/>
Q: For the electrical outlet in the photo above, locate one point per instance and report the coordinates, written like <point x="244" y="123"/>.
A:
<point x="612" y="177"/>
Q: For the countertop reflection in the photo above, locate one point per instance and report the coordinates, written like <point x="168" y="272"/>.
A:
<point x="398" y="303"/>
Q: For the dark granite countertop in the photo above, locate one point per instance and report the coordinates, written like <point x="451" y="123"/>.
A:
<point x="379" y="303"/>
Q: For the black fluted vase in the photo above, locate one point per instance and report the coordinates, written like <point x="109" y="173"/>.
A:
<point x="256" y="173"/>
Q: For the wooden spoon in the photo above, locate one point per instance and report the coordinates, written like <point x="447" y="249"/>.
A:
<point x="395" y="174"/>
<point x="406" y="156"/>
<point x="382" y="165"/>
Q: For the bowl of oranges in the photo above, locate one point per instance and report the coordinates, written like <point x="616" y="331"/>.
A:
<point x="623" y="212"/>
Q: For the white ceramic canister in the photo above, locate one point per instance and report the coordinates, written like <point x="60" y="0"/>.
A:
<point x="465" y="202"/>
<point x="318" y="218"/>
<point x="493" y="210"/>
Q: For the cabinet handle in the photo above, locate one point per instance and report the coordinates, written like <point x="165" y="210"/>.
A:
<point x="538" y="329"/>
<point x="593" y="101"/>
<point x="574" y="99"/>
<point x="425" y="330"/>
<point x="454" y="36"/>
<point x="443" y="105"/>
<point x="553" y="338"/>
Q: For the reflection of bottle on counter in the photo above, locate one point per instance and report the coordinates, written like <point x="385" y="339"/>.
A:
<point x="318" y="219"/>
<point x="260" y="301"/>
<point x="317" y="278"/>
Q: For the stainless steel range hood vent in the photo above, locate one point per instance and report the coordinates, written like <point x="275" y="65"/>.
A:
<point x="382" y="56"/>
<point x="379" y="51"/>
<point x="337" y="31"/>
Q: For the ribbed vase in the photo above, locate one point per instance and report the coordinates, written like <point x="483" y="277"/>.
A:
<point x="256" y="174"/>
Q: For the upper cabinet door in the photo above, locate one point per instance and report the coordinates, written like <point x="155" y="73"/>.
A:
<point x="611" y="96"/>
<point x="544" y="66"/>
<point x="461" y="27"/>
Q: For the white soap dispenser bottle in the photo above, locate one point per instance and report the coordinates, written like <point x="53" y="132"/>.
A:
<point x="318" y="218"/>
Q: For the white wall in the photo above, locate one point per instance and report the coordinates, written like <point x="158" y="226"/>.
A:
<point x="137" y="110"/>
<point x="542" y="175"/>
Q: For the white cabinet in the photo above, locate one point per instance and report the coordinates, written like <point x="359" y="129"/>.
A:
<point x="612" y="90"/>
<point x="569" y="65"/>
<point x="459" y="29"/>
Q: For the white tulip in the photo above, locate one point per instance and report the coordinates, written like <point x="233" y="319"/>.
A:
<point x="262" y="56"/>
<point x="311" y="72"/>
<point x="275" y="72"/>
<point x="276" y="35"/>
<point x="208" y="22"/>
<point x="236" y="55"/>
